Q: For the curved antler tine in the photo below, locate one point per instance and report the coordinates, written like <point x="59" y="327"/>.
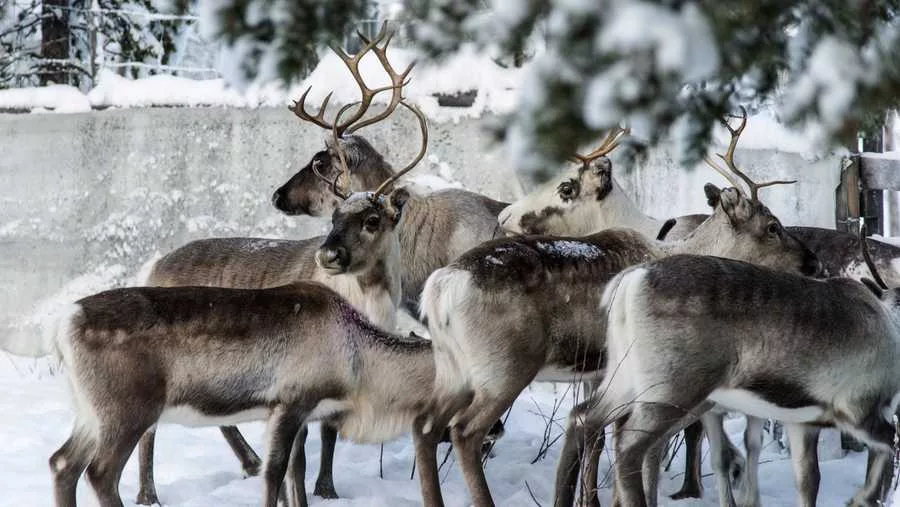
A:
<point x="398" y="81"/>
<point x="864" y="244"/>
<point x="336" y="137"/>
<point x="609" y="143"/>
<point x="299" y="110"/>
<point x="730" y="177"/>
<point x="423" y="126"/>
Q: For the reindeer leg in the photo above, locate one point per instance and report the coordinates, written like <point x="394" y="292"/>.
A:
<point x="569" y="459"/>
<point x="147" y="485"/>
<point x="804" y="442"/>
<point x="250" y="461"/>
<point x="878" y="435"/>
<point x="115" y="444"/>
<point x="283" y="427"/>
<point x="426" y="459"/>
<point x="692" y="487"/>
<point x="592" y="443"/>
<point x="325" y="480"/>
<point x="68" y="463"/>
<point x="720" y="452"/>
<point x="296" y="473"/>
<point x="750" y="478"/>
<point x="639" y="434"/>
<point x="468" y="451"/>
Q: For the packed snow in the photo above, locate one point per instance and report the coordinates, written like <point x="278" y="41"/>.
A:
<point x="195" y="467"/>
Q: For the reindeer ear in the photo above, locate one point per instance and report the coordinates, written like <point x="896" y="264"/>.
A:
<point x="712" y="194"/>
<point x="734" y="205"/>
<point x="397" y="200"/>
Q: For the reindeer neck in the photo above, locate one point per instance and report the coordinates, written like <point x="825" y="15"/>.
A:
<point x="703" y="240"/>
<point x="367" y="178"/>
<point x="620" y="211"/>
<point x="376" y="291"/>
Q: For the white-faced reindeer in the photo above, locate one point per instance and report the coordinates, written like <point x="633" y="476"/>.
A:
<point x="688" y="330"/>
<point x="359" y="259"/>
<point x="435" y="228"/>
<point x="211" y="356"/>
<point x="520" y="309"/>
<point x="582" y="202"/>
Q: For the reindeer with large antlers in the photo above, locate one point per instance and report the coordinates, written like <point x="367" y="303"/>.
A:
<point x="436" y="228"/>
<point x="359" y="259"/>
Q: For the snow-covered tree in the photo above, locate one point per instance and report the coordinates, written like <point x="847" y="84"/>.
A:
<point x="664" y="66"/>
<point x="66" y="41"/>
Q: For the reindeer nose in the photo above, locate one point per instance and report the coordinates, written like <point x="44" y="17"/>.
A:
<point x="334" y="260"/>
<point x="278" y="200"/>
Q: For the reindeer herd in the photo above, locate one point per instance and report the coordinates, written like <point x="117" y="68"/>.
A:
<point x="667" y="325"/>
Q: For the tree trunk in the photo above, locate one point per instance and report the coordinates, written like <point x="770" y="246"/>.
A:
<point x="55" y="41"/>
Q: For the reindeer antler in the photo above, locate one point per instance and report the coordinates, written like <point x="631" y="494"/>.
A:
<point x="336" y="136"/>
<point x="398" y="80"/>
<point x="728" y="158"/>
<point x="609" y="143"/>
<point x="423" y="126"/>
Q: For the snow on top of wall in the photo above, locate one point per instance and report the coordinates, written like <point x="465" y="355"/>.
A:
<point x="468" y="70"/>
<point x="58" y="98"/>
<point x="114" y="90"/>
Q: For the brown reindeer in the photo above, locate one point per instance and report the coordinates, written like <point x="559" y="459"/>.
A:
<point x="288" y="355"/>
<point x="435" y="229"/>
<point x="359" y="259"/>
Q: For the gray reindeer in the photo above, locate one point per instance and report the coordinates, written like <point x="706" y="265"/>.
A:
<point x="687" y="330"/>
<point x="582" y="202"/>
<point x="516" y="310"/>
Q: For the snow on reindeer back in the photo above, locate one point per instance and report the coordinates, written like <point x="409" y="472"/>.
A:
<point x="570" y="248"/>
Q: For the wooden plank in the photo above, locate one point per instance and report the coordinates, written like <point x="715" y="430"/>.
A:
<point x="846" y="196"/>
<point x="879" y="173"/>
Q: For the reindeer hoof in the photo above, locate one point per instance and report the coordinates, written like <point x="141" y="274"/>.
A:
<point x="147" y="498"/>
<point x="687" y="492"/>
<point x="325" y="490"/>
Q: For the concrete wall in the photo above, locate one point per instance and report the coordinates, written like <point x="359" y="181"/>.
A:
<point x="86" y="199"/>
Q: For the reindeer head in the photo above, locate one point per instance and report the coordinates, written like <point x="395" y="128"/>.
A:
<point x="362" y="226"/>
<point x="568" y="205"/>
<point x="744" y="229"/>
<point x="305" y="193"/>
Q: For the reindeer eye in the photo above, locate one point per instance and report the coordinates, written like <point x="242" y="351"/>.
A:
<point x="772" y="229"/>
<point x="372" y="223"/>
<point x="568" y="190"/>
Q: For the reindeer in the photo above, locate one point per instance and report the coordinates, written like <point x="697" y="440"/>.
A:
<point x="212" y="356"/>
<point x="515" y="310"/>
<point x="586" y="201"/>
<point x="435" y="229"/>
<point x="359" y="259"/>
<point x="681" y="334"/>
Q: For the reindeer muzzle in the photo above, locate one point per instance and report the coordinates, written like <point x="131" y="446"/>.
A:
<point x="333" y="260"/>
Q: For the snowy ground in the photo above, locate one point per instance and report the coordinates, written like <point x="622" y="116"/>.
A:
<point x="196" y="468"/>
